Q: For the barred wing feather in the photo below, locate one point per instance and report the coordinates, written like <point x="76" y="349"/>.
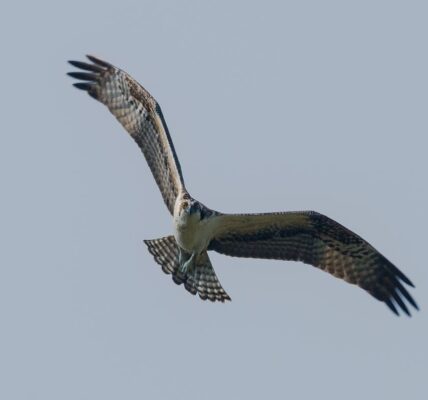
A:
<point x="317" y="240"/>
<point x="140" y="115"/>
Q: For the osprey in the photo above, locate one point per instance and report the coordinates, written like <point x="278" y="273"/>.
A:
<point x="305" y="236"/>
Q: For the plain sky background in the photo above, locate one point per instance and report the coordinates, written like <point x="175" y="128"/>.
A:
<point x="272" y="106"/>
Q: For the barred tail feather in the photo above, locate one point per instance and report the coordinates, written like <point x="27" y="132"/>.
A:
<point x="203" y="280"/>
<point x="165" y="252"/>
<point x="199" y="279"/>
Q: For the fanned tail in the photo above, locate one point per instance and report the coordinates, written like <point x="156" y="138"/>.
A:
<point x="203" y="280"/>
<point x="165" y="252"/>
<point x="199" y="279"/>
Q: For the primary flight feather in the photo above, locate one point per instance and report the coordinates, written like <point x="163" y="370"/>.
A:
<point x="305" y="236"/>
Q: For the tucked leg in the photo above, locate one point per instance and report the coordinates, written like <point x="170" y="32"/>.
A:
<point x="187" y="265"/>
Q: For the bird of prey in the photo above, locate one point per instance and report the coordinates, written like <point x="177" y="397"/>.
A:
<point x="305" y="236"/>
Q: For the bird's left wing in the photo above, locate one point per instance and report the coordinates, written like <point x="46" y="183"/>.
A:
<point x="140" y="115"/>
<point x="317" y="240"/>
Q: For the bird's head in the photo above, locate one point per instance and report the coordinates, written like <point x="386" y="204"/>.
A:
<point x="191" y="208"/>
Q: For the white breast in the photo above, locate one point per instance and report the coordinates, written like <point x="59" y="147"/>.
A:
<point x="191" y="233"/>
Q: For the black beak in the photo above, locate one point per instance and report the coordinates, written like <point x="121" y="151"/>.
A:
<point x="193" y="208"/>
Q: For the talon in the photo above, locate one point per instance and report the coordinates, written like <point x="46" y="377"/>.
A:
<point x="184" y="267"/>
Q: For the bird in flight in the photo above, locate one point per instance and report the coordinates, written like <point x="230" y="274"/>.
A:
<point x="305" y="236"/>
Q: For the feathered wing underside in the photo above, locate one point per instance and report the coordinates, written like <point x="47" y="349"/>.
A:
<point x="317" y="240"/>
<point x="140" y="115"/>
<point x="200" y="279"/>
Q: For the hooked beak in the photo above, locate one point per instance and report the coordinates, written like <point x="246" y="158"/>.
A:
<point x="193" y="208"/>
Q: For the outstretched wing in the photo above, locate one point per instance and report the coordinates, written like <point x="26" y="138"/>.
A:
<point x="316" y="240"/>
<point x="140" y="115"/>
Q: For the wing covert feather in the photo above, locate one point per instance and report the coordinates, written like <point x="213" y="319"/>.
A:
<point x="317" y="240"/>
<point x="140" y="115"/>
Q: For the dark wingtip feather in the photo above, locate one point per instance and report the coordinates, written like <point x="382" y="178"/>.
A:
<point x="396" y="299"/>
<point x="406" y="294"/>
<point x="85" y="66"/>
<point x="393" y="292"/>
<point x="83" y="85"/>
<point x="414" y="304"/>
<point x="400" y="275"/>
<point x="97" y="61"/>
<point x="400" y="302"/>
<point x="84" y="76"/>
<point x="391" y="306"/>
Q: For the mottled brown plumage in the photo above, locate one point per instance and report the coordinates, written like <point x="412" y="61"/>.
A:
<point x="317" y="240"/>
<point x="304" y="236"/>
<point x="203" y="281"/>
<point x="140" y="115"/>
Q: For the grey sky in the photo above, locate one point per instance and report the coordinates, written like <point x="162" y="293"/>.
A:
<point x="280" y="106"/>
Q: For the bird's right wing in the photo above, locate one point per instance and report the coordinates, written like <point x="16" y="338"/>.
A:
<point x="317" y="240"/>
<point x="140" y="115"/>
